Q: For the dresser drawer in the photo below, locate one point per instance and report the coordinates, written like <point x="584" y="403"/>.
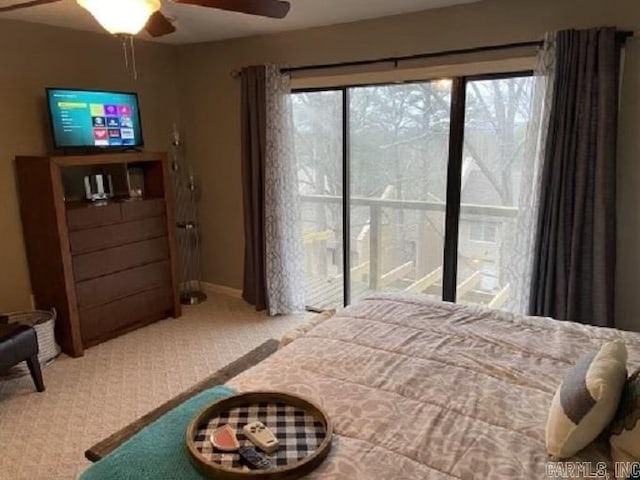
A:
<point x="111" y="260"/>
<point x="86" y="215"/>
<point x="137" y="209"/>
<point x="112" y="287"/>
<point x="116" y="235"/>
<point x="106" y="321"/>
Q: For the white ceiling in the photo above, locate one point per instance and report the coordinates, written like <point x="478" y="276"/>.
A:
<point x="198" y="24"/>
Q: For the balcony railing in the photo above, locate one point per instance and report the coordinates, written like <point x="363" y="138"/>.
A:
<point x="327" y="291"/>
<point x="486" y="210"/>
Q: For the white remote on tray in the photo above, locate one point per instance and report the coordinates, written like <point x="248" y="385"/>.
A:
<point x="261" y="436"/>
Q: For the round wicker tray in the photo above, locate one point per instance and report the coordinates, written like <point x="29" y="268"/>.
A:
<point x="303" y="428"/>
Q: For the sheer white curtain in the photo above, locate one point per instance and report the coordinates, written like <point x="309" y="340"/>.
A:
<point x="520" y="272"/>
<point x="283" y="232"/>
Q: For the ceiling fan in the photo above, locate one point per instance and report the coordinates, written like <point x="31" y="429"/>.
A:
<point x="128" y="17"/>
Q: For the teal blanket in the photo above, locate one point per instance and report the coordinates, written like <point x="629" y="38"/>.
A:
<point x="158" y="451"/>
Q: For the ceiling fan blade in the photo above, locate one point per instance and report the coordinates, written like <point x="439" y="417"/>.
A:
<point x="159" y="25"/>
<point x="263" y="8"/>
<point x="33" y="3"/>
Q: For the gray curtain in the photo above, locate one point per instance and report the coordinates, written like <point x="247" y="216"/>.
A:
<point x="573" y="271"/>
<point x="254" y="128"/>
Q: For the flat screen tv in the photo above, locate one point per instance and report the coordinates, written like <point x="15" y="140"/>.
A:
<point x="94" y="118"/>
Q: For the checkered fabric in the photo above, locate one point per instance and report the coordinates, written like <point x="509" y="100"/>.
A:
<point x="299" y="433"/>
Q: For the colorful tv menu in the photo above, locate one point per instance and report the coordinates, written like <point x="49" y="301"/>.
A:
<point x="86" y="118"/>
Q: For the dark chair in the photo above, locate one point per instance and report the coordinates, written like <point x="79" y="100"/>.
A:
<point x="19" y="343"/>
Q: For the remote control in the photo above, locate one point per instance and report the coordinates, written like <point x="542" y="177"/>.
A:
<point x="255" y="459"/>
<point x="261" y="436"/>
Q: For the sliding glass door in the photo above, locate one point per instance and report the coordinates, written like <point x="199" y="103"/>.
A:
<point x="497" y="117"/>
<point x="411" y="187"/>
<point x="318" y="143"/>
<point x="399" y="136"/>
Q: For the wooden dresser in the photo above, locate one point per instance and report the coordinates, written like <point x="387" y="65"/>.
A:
<point x="106" y="268"/>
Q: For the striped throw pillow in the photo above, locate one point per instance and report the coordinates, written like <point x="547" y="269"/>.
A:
<point x="587" y="399"/>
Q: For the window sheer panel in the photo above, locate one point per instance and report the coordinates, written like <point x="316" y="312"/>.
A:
<point x="283" y="243"/>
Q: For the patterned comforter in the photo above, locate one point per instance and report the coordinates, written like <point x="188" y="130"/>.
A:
<point x="419" y="389"/>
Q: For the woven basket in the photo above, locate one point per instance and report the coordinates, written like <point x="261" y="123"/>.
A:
<point x="43" y="323"/>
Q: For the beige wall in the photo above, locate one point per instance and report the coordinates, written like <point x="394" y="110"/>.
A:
<point x="628" y="261"/>
<point x="33" y="57"/>
<point x="210" y="98"/>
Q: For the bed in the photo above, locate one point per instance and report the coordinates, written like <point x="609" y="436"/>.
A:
<point x="420" y="389"/>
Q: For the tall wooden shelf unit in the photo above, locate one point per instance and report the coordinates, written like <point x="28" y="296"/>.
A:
<point x="108" y="268"/>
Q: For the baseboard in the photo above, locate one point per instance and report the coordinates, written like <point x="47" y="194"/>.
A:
<point x="221" y="289"/>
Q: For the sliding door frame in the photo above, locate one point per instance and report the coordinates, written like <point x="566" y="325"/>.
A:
<point x="346" y="196"/>
<point x="457" y="113"/>
<point x="457" y="116"/>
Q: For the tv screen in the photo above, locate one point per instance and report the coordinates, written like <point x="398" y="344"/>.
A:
<point x="92" y="118"/>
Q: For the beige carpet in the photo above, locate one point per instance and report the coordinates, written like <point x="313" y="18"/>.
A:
<point x="44" y="436"/>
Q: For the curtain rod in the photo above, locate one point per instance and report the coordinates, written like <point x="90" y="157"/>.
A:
<point x="418" y="56"/>
<point x="621" y="36"/>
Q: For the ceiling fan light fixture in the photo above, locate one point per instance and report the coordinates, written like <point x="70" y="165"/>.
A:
<point x="121" y="17"/>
